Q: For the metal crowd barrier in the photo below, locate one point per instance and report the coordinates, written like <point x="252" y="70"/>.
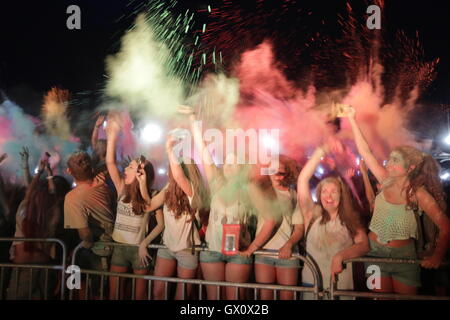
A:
<point x="334" y="292"/>
<point x="61" y="267"/>
<point x="308" y="261"/>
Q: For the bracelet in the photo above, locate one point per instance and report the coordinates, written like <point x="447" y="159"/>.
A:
<point x="49" y="177"/>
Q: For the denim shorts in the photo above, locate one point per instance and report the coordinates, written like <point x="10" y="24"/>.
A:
<point x="214" y="256"/>
<point x="276" y="262"/>
<point x="185" y="258"/>
<point x="406" y="273"/>
<point x="127" y="256"/>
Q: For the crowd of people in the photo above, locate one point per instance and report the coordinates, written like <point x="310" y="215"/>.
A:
<point x="232" y="211"/>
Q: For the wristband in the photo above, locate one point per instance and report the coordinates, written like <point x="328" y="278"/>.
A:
<point x="49" y="177"/>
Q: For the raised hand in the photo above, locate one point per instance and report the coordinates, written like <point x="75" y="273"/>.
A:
<point x="24" y="156"/>
<point x="345" y="110"/>
<point x="3" y="157"/>
<point x="101" y="118"/>
<point x="334" y="145"/>
<point x="170" y="142"/>
<point x="113" y="127"/>
<point x="141" y="176"/>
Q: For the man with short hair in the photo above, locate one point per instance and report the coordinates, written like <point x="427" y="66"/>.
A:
<point x="89" y="208"/>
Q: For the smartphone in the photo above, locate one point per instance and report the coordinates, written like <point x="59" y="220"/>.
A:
<point x="141" y="161"/>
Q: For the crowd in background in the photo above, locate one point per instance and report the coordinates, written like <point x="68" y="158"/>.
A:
<point x="288" y="212"/>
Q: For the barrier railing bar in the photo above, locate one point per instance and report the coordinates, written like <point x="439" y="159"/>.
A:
<point x="61" y="266"/>
<point x="133" y="289"/>
<point x="102" y="284"/>
<point x="30" y="287"/>
<point x="2" y="270"/>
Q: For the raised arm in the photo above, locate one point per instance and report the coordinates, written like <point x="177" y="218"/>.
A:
<point x="36" y="178"/>
<point x="429" y="205"/>
<point x="94" y="137"/>
<point x="112" y="134"/>
<point x="370" y="194"/>
<point x="304" y="195"/>
<point x="24" y="157"/>
<point x="51" y="183"/>
<point x="211" y="170"/>
<point x="363" y="148"/>
<point x="175" y="167"/>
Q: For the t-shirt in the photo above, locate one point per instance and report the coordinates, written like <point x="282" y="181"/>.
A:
<point x="290" y="215"/>
<point x="177" y="232"/>
<point x="90" y="205"/>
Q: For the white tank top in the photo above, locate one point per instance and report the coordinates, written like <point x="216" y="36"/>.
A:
<point x="177" y="232"/>
<point x="129" y="227"/>
<point x="322" y="243"/>
<point x="223" y="214"/>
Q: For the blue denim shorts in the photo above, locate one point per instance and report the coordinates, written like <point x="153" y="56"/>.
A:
<point x="127" y="256"/>
<point x="214" y="256"/>
<point x="405" y="273"/>
<point x="276" y="262"/>
<point x="185" y="258"/>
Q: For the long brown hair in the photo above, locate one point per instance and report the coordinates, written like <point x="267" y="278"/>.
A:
<point x="178" y="202"/>
<point x="133" y="193"/>
<point x="425" y="173"/>
<point x="40" y="204"/>
<point x="347" y="214"/>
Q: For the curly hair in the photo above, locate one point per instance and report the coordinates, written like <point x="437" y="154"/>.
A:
<point x="178" y="202"/>
<point x="423" y="171"/>
<point x="133" y="192"/>
<point x="347" y="214"/>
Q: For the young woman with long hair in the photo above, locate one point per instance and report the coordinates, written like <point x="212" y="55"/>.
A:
<point x="185" y="202"/>
<point x="282" y="268"/>
<point x="410" y="181"/>
<point x="231" y="204"/>
<point x="334" y="231"/>
<point x="133" y="213"/>
<point x="39" y="215"/>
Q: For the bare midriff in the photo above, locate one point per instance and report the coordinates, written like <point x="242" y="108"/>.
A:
<point x="393" y="243"/>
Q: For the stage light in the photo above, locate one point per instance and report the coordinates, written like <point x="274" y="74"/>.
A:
<point x="445" y="175"/>
<point x="151" y="133"/>
<point x="447" y="139"/>
<point x="74" y="185"/>
<point x="105" y="124"/>
<point x="270" y="143"/>
<point x="36" y="170"/>
<point x="161" y="171"/>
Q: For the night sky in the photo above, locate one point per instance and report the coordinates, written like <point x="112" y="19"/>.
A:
<point x="38" y="51"/>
